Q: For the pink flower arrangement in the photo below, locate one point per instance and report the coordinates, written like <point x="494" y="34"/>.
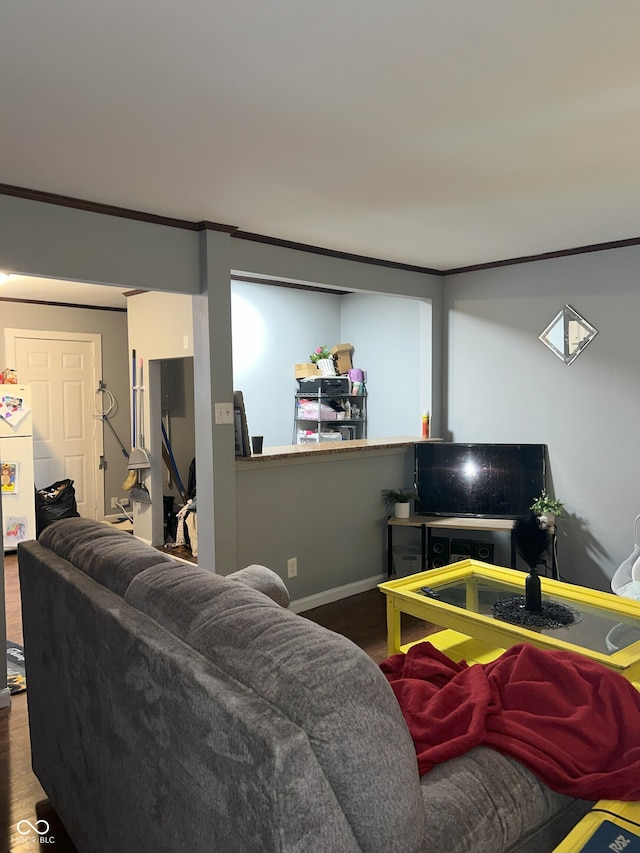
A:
<point x="320" y="353"/>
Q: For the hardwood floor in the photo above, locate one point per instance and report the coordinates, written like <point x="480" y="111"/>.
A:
<point x="360" y="617"/>
<point x="363" y="619"/>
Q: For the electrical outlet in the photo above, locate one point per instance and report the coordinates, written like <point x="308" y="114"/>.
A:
<point x="292" y="567"/>
<point x="118" y="503"/>
<point x="223" y="413"/>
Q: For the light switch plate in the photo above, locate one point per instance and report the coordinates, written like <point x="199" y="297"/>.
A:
<point x="223" y="413"/>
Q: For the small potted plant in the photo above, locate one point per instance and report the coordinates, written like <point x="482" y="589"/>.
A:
<point x="400" y="500"/>
<point x="323" y="358"/>
<point x="547" y="509"/>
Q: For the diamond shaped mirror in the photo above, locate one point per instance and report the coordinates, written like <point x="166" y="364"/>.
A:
<point x="568" y="334"/>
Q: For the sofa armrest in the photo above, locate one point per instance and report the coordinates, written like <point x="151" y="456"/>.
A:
<point x="264" y="580"/>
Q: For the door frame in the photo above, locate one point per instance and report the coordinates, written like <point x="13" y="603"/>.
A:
<point x="10" y="336"/>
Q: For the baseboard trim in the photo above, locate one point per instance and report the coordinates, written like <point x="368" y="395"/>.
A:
<point x="299" y="605"/>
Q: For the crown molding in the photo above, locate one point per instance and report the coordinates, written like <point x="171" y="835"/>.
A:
<point x="235" y="232"/>
<point x="111" y="210"/>
<point x="545" y="256"/>
<point x="333" y="253"/>
<point x="50" y="303"/>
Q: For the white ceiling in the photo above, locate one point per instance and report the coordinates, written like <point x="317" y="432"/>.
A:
<point x="63" y="292"/>
<point x="440" y="133"/>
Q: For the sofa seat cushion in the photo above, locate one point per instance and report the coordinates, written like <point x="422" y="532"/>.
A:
<point x="319" y="680"/>
<point x="111" y="557"/>
<point x="493" y="801"/>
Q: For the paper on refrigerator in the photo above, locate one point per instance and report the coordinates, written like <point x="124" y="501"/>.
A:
<point x="13" y="409"/>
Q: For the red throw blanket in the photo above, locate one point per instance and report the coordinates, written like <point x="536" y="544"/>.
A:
<point x="570" y="720"/>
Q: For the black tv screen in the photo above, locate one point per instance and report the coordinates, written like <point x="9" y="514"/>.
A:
<point x="478" y="480"/>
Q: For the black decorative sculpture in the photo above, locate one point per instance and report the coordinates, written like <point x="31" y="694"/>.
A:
<point x="531" y="541"/>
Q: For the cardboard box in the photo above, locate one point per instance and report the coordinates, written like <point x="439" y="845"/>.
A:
<point x="304" y="370"/>
<point x="342" y="356"/>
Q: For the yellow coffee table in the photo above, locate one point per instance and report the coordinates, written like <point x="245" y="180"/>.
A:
<point x="624" y="816"/>
<point x="607" y="629"/>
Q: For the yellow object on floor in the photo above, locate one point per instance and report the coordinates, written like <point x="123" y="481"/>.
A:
<point x="623" y="816"/>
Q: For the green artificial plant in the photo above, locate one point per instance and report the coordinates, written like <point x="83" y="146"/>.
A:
<point x="399" y="496"/>
<point x="544" y="504"/>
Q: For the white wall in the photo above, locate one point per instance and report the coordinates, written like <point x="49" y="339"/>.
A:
<point x="275" y="328"/>
<point x="504" y="385"/>
<point x="392" y="335"/>
<point x="160" y="327"/>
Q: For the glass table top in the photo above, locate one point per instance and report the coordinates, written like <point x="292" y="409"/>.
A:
<point x="596" y="627"/>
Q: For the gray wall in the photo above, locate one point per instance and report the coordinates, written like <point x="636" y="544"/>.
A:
<point x="504" y="385"/>
<point x="327" y="512"/>
<point x="61" y="242"/>
<point x="112" y="326"/>
<point x="49" y="240"/>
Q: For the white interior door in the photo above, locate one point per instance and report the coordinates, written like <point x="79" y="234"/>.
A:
<point x="63" y="371"/>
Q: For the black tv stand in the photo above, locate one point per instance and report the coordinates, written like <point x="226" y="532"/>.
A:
<point x="427" y="523"/>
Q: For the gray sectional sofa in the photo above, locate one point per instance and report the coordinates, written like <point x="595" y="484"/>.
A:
<point x="174" y="710"/>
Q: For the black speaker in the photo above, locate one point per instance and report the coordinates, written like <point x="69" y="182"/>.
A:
<point x="438" y="555"/>
<point x="484" y="551"/>
<point x="461" y="549"/>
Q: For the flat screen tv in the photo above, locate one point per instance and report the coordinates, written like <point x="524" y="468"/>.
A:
<point x="478" y="480"/>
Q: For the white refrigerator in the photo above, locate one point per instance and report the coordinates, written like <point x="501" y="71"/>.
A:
<point x="16" y="466"/>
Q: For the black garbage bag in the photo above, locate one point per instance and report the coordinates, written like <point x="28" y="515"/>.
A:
<point x="55" y="502"/>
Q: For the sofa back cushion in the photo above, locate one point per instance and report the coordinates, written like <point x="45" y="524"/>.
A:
<point x="109" y="556"/>
<point x="319" y="680"/>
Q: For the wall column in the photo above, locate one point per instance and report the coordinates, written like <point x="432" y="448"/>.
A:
<point x="213" y="383"/>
